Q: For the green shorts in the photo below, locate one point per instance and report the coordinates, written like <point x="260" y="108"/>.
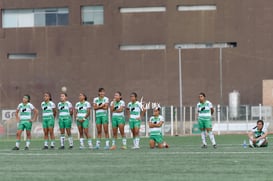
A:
<point x="25" y="125"/>
<point x="134" y="123"/>
<point x="65" y="122"/>
<point x="102" y="120"/>
<point x="116" y="121"/>
<point x="84" y="124"/>
<point x="48" y="123"/>
<point x="157" y="138"/>
<point x="204" y="123"/>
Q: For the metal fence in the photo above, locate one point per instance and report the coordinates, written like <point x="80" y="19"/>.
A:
<point x="224" y="121"/>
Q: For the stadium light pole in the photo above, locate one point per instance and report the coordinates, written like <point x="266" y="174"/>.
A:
<point x="220" y="46"/>
<point x="180" y="84"/>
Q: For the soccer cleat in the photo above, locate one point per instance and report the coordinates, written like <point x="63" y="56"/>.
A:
<point x="124" y="147"/>
<point x="135" y="147"/>
<point x="52" y="147"/>
<point x="214" y="146"/>
<point x="26" y="148"/>
<point x="106" y="148"/>
<point x="82" y="147"/>
<point x="61" y="148"/>
<point x="70" y="147"/>
<point x="114" y="147"/>
<point x="15" y="148"/>
<point x="45" y="148"/>
<point x="251" y="146"/>
<point x="166" y="145"/>
<point x="91" y="147"/>
<point x="204" y="146"/>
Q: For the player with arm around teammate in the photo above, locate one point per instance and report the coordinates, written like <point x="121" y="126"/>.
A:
<point x="48" y="116"/>
<point x="155" y="129"/>
<point x="65" y="109"/>
<point x="24" y="116"/>
<point x="117" y="107"/>
<point x="258" y="135"/>
<point x="204" y="114"/>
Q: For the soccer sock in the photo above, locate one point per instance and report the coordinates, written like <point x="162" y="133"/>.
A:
<point x="113" y="142"/>
<point x="137" y="141"/>
<point x="27" y="143"/>
<point x="62" y="139"/>
<point x="70" y="139"/>
<point x="90" y="143"/>
<point x="124" y="141"/>
<point x="211" y="137"/>
<point x="250" y="143"/>
<point x="134" y="141"/>
<point x="81" y="142"/>
<point x="260" y="142"/>
<point x="203" y="136"/>
<point x="52" y="143"/>
<point x="46" y="143"/>
<point x="98" y="143"/>
<point x="17" y="144"/>
<point x="107" y="142"/>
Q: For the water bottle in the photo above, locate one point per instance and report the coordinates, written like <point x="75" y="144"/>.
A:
<point x="244" y="144"/>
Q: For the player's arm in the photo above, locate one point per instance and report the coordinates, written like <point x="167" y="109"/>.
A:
<point x="105" y="106"/>
<point x="17" y="115"/>
<point x="112" y="106"/>
<point x="75" y="113"/>
<point x="35" y="115"/>
<point x="158" y="125"/>
<point x="120" y="109"/>
<point x="88" y="113"/>
<point x="212" y="110"/>
<point x="55" y="112"/>
<point x="262" y="137"/>
<point x="96" y="107"/>
<point x="250" y="135"/>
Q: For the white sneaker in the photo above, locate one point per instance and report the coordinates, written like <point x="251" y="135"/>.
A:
<point x="135" y="147"/>
<point x="82" y="147"/>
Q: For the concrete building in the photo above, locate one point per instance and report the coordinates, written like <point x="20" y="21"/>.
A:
<point x="83" y="45"/>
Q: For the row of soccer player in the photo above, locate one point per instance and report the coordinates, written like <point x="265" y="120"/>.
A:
<point x="81" y="113"/>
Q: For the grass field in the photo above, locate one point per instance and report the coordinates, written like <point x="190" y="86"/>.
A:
<point x="184" y="160"/>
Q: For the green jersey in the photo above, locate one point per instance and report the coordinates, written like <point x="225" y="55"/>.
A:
<point x="118" y="105"/>
<point x="135" y="109"/>
<point x="99" y="101"/>
<point x="25" y="111"/>
<point x="64" y="109"/>
<point x="82" y="109"/>
<point x="47" y="108"/>
<point x="204" y="110"/>
<point x="156" y="120"/>
<point x="258" y="133"/>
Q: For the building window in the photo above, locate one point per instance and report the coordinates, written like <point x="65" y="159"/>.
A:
<point x="92" y="15"/>
<point x="143" y="9"/>
<point x="20" y="18"/>
<point x="22" y="56"/>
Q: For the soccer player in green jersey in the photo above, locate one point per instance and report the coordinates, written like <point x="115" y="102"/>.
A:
<point x="258" y="135"/>
<point x="82" y="113"/>
<point x="100" y="105"/>
<point x="155" y="129"/>
<point x="65" y="110"/>
<point x="117" y="107"/>
<point x="204" y="114"/>
<point x="135" y="111"/>
<point x="48" y="116"/>
<point x="24" y="116"/>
